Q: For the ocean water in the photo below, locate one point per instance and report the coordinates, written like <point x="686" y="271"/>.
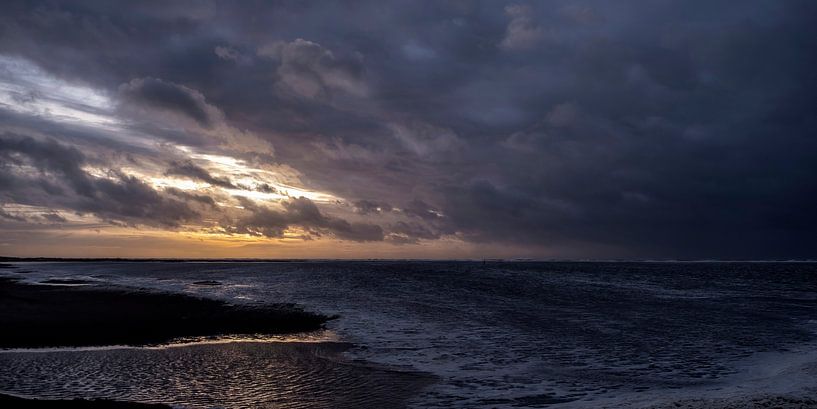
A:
<point x="473" y="334"/>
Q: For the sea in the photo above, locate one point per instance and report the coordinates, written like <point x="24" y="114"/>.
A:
<point x="442" y="334"/>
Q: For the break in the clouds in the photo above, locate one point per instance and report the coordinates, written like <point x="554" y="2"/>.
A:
<point x="575" y="129"/>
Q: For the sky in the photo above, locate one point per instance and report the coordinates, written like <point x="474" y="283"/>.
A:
<point x="666" y="129"/>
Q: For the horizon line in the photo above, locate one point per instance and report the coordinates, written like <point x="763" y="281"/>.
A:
<point x="301" y="259"/>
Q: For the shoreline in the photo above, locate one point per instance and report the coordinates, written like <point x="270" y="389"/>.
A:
<point x="54" y="333"/>
<point x="60" y="330"/>
<point x="762" y="379"/>
<point x="47" y="315"/>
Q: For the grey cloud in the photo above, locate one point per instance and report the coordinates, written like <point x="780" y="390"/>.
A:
<point x="409" y="233"/>
<point x="266" y="188"/>
<point x="522" y="32"/>
<point x="262" y="222"/>
<point x="119" y="197"/>
<point x="165" y="109"/>
<point x="369" y="206"/>
<point x="53" y="218"/>
<point x="129" y="199"/>
<point x="426" y="141"/>
<point x="421" y="209"/>
<point x="49" y="156"/>
<point x="177" y="98"/>
<point x="193" y="171"/>
<point x="226" y="53"/>
<point x="186" y="196"/>
<point x="356" y="231"/>
<point x="313" y="71"/>
<point x="8" y="216"/>
<point x="304" y="213"/>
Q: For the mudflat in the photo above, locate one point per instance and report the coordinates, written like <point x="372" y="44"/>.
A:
<point x="34" y="316"/>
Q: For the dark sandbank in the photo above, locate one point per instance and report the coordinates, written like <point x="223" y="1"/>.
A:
<point x="8" y="401"/>
<point x="207" y="283"/>
<point x="66" y="281"/>
<point x="46" y="315"/>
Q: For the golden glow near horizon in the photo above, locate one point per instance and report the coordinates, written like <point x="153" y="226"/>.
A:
<point x="89" y="236"/>
<point x="114" y="241"/>
<point x="220" y="166"/>
<point x="88" y="226"/>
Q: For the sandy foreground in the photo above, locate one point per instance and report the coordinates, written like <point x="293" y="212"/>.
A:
<point x="37" y="371"/>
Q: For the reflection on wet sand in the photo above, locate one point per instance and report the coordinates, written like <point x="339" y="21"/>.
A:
<point x="229" y="374"/>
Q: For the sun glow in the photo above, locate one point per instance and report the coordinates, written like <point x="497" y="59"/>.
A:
<point x="249" y="179"/>
<point x="183" y="184"/>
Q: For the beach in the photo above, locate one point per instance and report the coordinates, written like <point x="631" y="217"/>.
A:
<point x="72" y="344"/>
<point x="516" y="335"/>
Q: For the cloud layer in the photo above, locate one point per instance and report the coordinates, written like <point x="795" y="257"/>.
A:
<point x="577" y="129"/>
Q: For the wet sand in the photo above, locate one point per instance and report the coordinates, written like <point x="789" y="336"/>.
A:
<point x="8" y="401"/>
<point x="198" y="375"/>
<point x="76" y="315"/>
<point x="281" y="375"/>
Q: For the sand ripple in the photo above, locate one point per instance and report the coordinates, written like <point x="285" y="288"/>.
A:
<point x="244" y="374"/>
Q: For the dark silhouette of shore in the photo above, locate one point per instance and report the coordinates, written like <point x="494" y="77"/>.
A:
<point x="59" y="315"/>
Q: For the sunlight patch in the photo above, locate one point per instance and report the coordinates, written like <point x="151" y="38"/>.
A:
<point x="27" y="89"/>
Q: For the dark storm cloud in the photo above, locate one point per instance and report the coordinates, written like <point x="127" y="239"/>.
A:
<point x="165" y="95"/>
<point x="48" y="156"/>
<point x="421" y="209"/>
<point x="129" y="198"/>
<point x="412" y="232"/>
<point x="53" y="218"/>
<point x="368" y="206"/>
<point x="193" y="171"/>
<point x="266" y="188"/>
<point x="191" y="196"/>
<point x="312" y="71"/>
<point x="659" y="129"/>
<point x="119" y="197"/>
<point x="303" y="212"/>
